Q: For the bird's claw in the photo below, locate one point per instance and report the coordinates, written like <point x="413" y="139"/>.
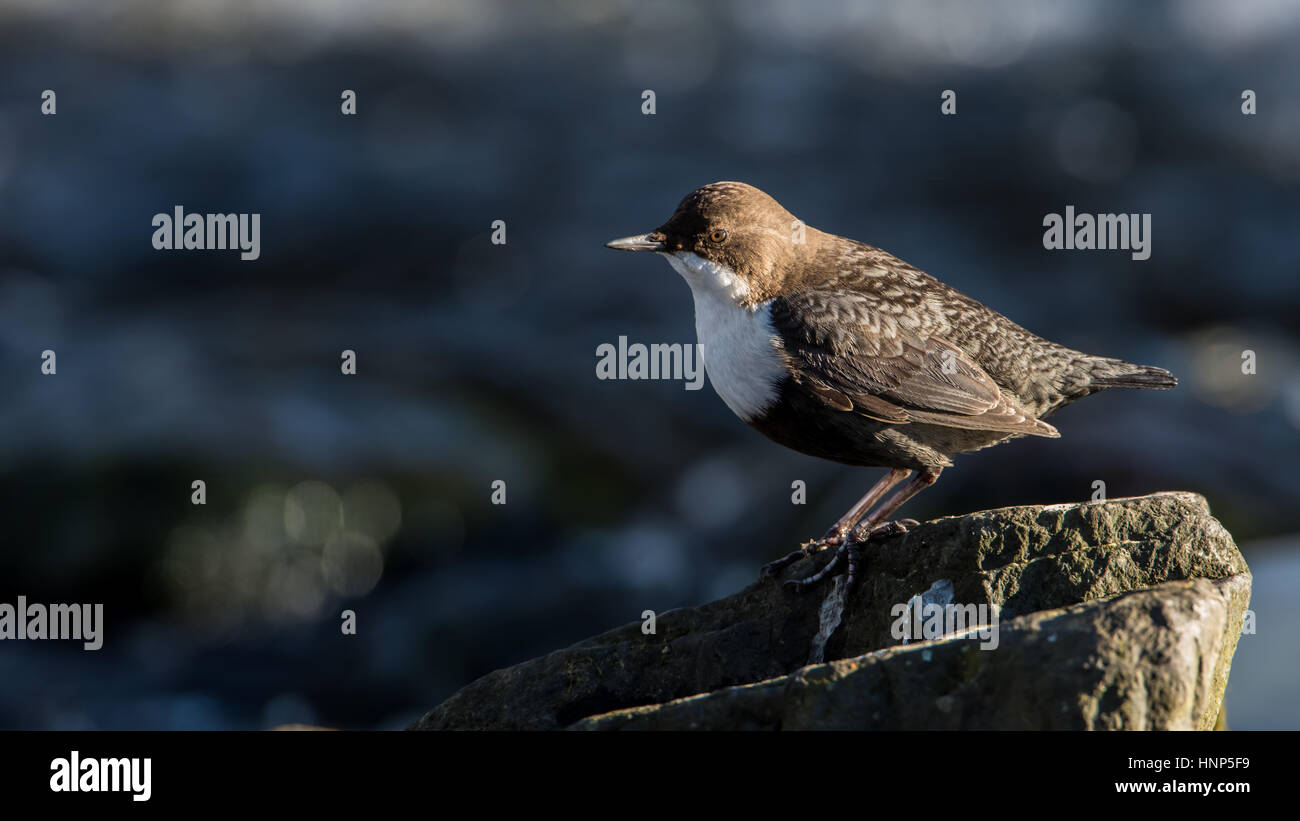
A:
<point x="849" y="553"/>
<point x="850" y="550"/>
<point x="805" y="550"/>
<point x="892" y="528"/>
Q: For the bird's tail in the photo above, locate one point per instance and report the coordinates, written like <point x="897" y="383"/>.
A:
<point x="1116" y="373"/>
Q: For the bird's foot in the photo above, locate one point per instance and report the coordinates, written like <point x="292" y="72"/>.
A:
<point x="893" y="528"/>
<point x="850" y="550"/>
<point x="848" y="558"/>
<point x="831" y="539"/>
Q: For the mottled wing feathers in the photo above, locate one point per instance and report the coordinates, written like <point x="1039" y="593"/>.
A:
<point x="858" y="359"/>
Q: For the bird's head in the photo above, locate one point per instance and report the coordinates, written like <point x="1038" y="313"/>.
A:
<point x="728" y="231"/>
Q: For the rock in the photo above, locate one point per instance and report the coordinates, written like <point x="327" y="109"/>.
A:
<point x="1153" y="659"/>
<point x="1117" y="614"/>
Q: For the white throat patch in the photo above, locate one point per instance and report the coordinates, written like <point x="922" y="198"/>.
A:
<point x="738" y="343"/>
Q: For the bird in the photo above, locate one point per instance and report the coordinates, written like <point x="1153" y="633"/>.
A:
<point x="840" y="350"/>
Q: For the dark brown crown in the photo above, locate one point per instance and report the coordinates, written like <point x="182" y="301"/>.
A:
<point x="760" y="235"/>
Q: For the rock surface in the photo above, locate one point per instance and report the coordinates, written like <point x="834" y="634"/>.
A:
<point x="1110" y="615"/>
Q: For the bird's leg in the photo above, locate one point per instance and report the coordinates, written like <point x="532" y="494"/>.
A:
<point x="835" y="536"/>
<point x="851" y="548"/>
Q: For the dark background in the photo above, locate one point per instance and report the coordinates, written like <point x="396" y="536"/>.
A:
<point x="477" y="362"/>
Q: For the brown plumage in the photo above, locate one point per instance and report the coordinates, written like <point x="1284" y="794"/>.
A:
<point x="880" y="364"/>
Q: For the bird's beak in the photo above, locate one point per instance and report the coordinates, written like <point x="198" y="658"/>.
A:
<point x="641" y="242"/>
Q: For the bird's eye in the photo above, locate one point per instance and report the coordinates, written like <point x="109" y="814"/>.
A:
<point x="718" y="235"/>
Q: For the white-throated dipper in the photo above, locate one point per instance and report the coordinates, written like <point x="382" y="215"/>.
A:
<point x="838" y="349"/>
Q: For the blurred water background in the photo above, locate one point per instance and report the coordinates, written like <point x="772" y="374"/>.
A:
<point x="476" y="362"/>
